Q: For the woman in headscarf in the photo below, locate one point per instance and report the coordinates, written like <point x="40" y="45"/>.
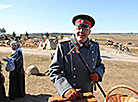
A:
<point x="17" y="77"/>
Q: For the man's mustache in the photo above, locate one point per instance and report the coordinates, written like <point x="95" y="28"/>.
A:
<point x="80" y="34"/>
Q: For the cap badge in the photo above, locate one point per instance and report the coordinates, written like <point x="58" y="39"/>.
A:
<point x="82" y="21"/>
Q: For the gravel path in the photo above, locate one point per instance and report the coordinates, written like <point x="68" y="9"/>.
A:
<point x="28" y="51"/>
<point x="106" y="53"/>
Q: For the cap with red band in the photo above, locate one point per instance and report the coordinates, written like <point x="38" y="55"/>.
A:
<point x="83" y="20"/>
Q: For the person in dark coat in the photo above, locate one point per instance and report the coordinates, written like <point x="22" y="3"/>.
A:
<point x="68" y="72"/>
<point x="2" y="88"/>
<point x="17" y="76"/>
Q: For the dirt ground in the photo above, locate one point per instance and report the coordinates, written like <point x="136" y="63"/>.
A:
<point x="120" y="69"/>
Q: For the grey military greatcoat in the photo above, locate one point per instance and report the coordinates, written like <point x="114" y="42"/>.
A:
<point x="68" y="71"/>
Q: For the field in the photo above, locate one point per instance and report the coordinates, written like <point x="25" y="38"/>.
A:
<point x="39" y="88"/>
<point x="116" y="38"/>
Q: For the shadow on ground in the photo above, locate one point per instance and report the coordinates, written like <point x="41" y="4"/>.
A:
<point x="106" y="57"/>
<point x="31" y="98"/>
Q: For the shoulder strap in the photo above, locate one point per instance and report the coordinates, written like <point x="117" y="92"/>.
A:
<point x="94" y="42"/>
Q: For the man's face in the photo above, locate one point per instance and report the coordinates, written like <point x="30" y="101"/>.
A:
<point x="82" y="33"/>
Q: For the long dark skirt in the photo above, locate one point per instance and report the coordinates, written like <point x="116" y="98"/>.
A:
<point x="2" y="88"/>
<point x="2" y="91"/>
<point x="17" y="86"/>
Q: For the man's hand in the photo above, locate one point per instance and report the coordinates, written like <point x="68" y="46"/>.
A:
<point x="95" y="77"/>
<point x="70" y="94"/>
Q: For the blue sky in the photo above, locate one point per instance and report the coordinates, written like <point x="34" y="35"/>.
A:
<point x="41" y="16"/>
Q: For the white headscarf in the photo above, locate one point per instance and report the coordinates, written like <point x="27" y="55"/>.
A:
<point x="16" y="45"/>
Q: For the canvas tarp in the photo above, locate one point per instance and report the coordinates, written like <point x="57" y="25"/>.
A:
<point x="50" y="43"/>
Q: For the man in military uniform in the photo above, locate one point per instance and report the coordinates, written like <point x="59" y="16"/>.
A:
<point x="68" y="72"/>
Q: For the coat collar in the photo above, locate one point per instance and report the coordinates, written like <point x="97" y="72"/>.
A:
<point x="87" y="43"/>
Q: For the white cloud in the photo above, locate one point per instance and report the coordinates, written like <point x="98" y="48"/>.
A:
<point x="2" y="6"/>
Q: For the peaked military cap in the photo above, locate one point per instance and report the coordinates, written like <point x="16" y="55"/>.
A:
<point x="83" y="20"/>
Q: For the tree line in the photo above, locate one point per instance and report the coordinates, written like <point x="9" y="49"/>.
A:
<point x="2" y="30"/>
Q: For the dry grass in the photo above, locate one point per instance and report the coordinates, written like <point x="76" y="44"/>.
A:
<point x="124" y="39"/>
<point x="119" y="73"/>
<point x="39" y="88"/>
<point x="117" y="38"/>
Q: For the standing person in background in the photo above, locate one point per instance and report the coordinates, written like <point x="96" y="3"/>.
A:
<point x="2" y="80"/>
<point x="17" y="77"/>
<point x="68" y="72"/>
